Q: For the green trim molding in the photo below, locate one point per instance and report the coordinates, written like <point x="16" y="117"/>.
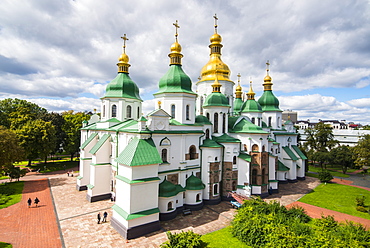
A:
<point x="143" y="180"/>
<point x="136" y="215"/>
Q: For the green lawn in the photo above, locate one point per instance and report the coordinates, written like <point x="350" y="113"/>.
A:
<point x="17" y="196"/>
<point x="222" y="238"/>
<point x="333" y="171"/>
<point x="54" y="166"/>
<point x="337" y="197"/>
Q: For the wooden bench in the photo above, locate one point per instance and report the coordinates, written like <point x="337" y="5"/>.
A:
<point x="186" y="211"/>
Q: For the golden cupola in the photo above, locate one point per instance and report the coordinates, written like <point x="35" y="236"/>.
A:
<point x="250" y="94"/>
<point x="238" y="89"/>
<point x="267" y="84"/>
<point x="123" y="60"/>
<point x="175" y="54"/>
<point x="209" y="70"/>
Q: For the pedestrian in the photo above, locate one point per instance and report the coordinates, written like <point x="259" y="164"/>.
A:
<point x="68" y="173"/>
<point x="37" y="201"/>
<point x="105" y="217"/>
<point x="99" y="217"/>
<point x="29" y="202"/>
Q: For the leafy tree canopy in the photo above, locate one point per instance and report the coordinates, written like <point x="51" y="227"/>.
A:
<point x="362" y="152"/>
<point x="10" y="151"/>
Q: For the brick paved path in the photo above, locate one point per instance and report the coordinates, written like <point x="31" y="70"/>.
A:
<point x="31" y="227"/>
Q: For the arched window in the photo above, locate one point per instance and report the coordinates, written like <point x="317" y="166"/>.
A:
<point x="254" y="176"/>
<point x="215" y="122"/>
<point x="197" y="199"/>
<point x="215" y="189"/>
<point x="169" y="206"/>
<point x="233" y="186"/>
<point x="278" y="122"/>
<point x="138" y="112"/>
<point x="245" y="147"/>
<point x="128" y="111"/>
<point x="114" y="110"/>
<point x="187" y="112"/>
<point x="234" y="160"/>
<point x="201" y="105"/>
<point x="207" y="115"/>
<point x="270" y="119"/>
<point x="263" y="176"/>
<point x="207" y="133"/>
<point x="263" y="148"/>
<point x="259" y="122"/>
<point x="223" y="123"/>
<point x="253" y="120"/>
<point x="255" y="148"/>
<point x="193" y="152"/>
<point x="103" y="110"/>
<point x="164" y="155"/>
<point x="173" y="110"/>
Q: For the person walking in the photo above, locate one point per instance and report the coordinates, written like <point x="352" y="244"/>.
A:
<point x="105" y="217"/>
<point x="29" y="202"/>
<point x="99" y="217"/>
<point x="37" y="201"/>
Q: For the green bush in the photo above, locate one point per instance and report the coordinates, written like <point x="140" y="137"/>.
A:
<point x="325" y="176"/>
<point x="360" y="201"/>
<point x="187" y="239"/>
<point x="4" y="199"/>
<point x="361" y="209"/>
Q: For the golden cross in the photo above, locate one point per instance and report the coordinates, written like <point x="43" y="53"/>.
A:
<point x="267" y="66"/>
<point x="124" y="38"/>
<point x="176" y="26"/>
<point x="238" y="77"/>
<point x="215" y="16"/>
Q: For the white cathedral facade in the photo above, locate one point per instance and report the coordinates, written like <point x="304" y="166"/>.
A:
<point x="193" y="149"/>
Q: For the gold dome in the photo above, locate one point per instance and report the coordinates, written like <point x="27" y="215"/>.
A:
<point x="123" y="58"/>
<point x="176" y="47"/>
<point x="215" y="39"/>
<point x="238" y="88"/>
<point x="267" y="78"/>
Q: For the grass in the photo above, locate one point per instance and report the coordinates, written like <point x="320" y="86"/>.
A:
<point x="54" y="166"/>
<point x="4" y="177"/>
<point x="222" y="238"/>
<point x="5" y="245"/>
<point x="338" y="197"/>
<point x="333" y="171"/>
<point x="17" y="196"/>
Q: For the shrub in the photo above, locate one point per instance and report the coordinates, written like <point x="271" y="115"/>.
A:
<point x="184" y="239"/>
<point x="361" y="209"/>
<point x="4" y="199"/>
<point x="360" y="201"/>
<point x="325" y="176"/>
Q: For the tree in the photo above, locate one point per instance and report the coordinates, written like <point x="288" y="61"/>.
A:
<point x="362" y="152"/>
<point x="71" y="127"/>
<point x="320" y="140"/>
<point x="342" y="155"/>
<point x="37" y="138"/>
<point x="15" y="112"/>
<point x="325" y="176"/>
<point x="10" y="151"/>
<point x="187" y="239"/>
<point x="57" y="120"/>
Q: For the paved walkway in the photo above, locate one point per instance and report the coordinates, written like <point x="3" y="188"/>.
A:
<point x="31" y="227"/>
<point x="38" y="227"/>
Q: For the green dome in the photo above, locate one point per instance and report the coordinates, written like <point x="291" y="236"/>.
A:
<point x="238" y="125"/>
<point x="216" y="99"/>
<point x="210" y="143"/>
<point x="269" y="102"/>
<point x="123" y="87"/>
<point x="194" y="183"/>
<point x="174" y="81"/>
<point x="238" y="103"/>
<point x="251" y="106"/>
<point x="167" y="189"/>
<point x="201" y="119"/>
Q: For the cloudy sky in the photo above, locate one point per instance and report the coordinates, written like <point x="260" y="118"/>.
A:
<point x="62" y="54"/>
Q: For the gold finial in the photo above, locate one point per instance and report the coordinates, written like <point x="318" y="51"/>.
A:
<point x="177" y="27"/>
<point x="124" y="38"/>
<point x="238" y="78"/>
<point x="268" y="67"/>
<point x="250" y="94"/>
<point x="159" y="104"/>
<point x="238" y="89"/>
<point x="216" y="18"/>
<point x="267" y="85"/>
<point x="216" y="85"/>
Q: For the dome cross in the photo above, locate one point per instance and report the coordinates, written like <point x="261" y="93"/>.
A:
<point x="216" y="18"/>
<point x="177" y="27"/>
<point x="124" y="38"/>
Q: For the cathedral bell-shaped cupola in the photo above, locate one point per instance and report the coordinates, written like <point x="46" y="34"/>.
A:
<point x="252" y="108"/>
<point x="122" y="100"/>
<point x="215" y="68"/>
<point x="238" y="102"/>
<point x="175" y="93"/>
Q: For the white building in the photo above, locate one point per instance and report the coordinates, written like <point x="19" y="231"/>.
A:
<point x="193" y="149"/>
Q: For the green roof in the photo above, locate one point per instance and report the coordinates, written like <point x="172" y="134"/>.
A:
<point x="101" y="141"/>
<point x="290" y="153"/>
<point x="241" y="125"/>
<point x="91" y="137"/>
<point x="251" y="105"/>
<point x="284" y="133"/>
<point x="175" y="81"/>
<point x="225" y="139"/>
<point x="89" y="127"/>
<point x="177" y="123"/>
<point x="126" y="126"/>
<point x="127" y="216"/>
<point x="139" y="152"/>
<point x="168" y="189"/>
<point x="282" y="167"/>
<point x="245" y="157"/>
<point x="142" y="118"/>
<point x="299" y="152"/>
<point x="269" y="102"/>
<point x="201" y="119"/>
<point x="210" y="143"/>
<point x="194" y="183"/>
<point x="238" y="103"/>
<point x="216" y="99"/>
<point x="122" y="87"/>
